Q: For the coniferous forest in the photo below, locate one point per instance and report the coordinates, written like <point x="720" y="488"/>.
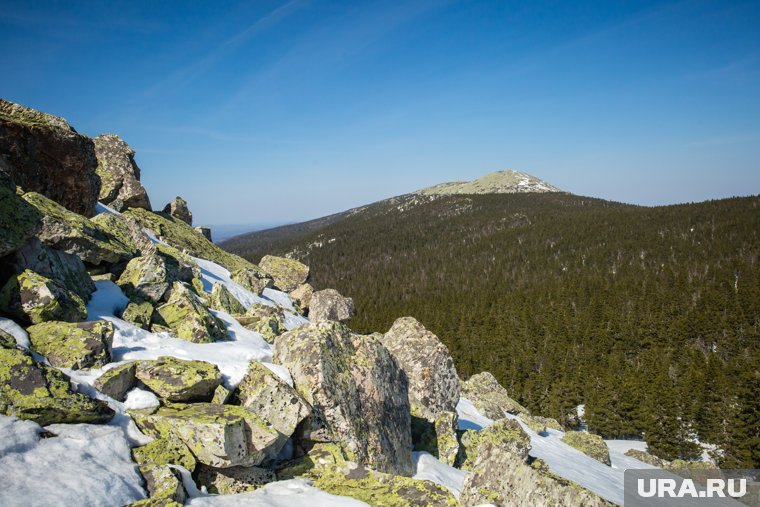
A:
<point x="648" y="316"/>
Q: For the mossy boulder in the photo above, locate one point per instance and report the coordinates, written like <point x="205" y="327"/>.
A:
<point x="489" y="397"/>
<point x="233" y="480"/>
<point x="139" y="313"/>
<point x="178" y="209"/>
<point x="539" y="424"/>
<point x="188" y="318"/>
<point x="268" y="321"/>
<point x="34" y="298"/>
<point x="7" y="341"/>
<point x="222" y="299"/>
<point x="120" y="186"/>
<point x="179" y="380"/>
<point x="34" y="391"/>
<point x="446" y="437"/>
<point x="151" y="276"/>
<point x="589" y="444"/>
<point x="217" y="435"/>
<point x="117" y="382"/>
<point x="302" y="297"/>
<point x="288" y="274"/>
<point x="221" y="395"/>
<point x="76" y="345"/>
<point x="357" y="391"/>
<point x="328" y="304"/>
<point x="19" y="220"/>
<point x="253" y="279"/>
<point x="164" y="451"/>
<point x="164" y="485"/>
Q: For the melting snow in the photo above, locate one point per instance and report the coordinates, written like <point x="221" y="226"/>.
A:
<point x="429" y="468"/>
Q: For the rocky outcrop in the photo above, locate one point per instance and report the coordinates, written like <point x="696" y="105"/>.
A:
<point x="269" y="321"/>
<point x="34" y="298"/>
<point x="19" y="220"/>
<point x="117" y="381"/>
<point x="217" y="435"/>
<point x="178" y="380"/>
<point x="222" y="299"/>
<point x="489" y="397"/>
<point x="188" y="318"/>
<point x="288" y="274"/>
<point x="357" y="392"/>
<point x="253" y="279"/>
<point x="589" y="444"/>
<point x="328" y="304"/>
<point x="120" y="186"/>
<point x="43" y="153"/>
<point x="34" y="391"/>
<point x="204" y="231"/>
<point x="178" y="209"/>
<point x="433" y="380"/>
<point x="502" y="474"/>
<point x="73" y="345"/>
<point x="233" y="480"/>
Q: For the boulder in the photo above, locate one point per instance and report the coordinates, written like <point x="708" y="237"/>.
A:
<point x="35" y="298"/>
<point x="222" y="299"/>
<point x="117" y="382"/>
<point x="120" y="186"/>
<point x="19" y="220"/>
<point x="502" y="473"/>
<point x="188" y="318"/>
<point x="433" y="380"/>
<point x="233" y="480"/>
<point x="489" y="397"/>
<point x="77" y="345"/>
<point x="179" y="380"/>
<point x="266" y="395"/>
<point x="302" y="296"/>
<point x="217" y="435"/>
<point x="7" y="340"/>
<point x="252" y="279"/>
<point x="269" y="321"/>
<point x="43" y="153"/>
<point x="221" y="395"/>
<point x="162" y="451"/>
<point x="205" y="231"/>
<point x="139" y="314"/>
<point x="357" y="392"/>
<point x="446" y="425"/>
<point x="151" y="276"/>
<point x="34" y="391"/>
<point x="288" y="274"/>
<point x="328" y="304"/>
<point x="64" y="230"/>
<point x="164" y="485"/>
<point x="179" y="210"/>
<point x="126" y="230"/>
<point x="539" y="424"/>
<point x="589" y="444"/>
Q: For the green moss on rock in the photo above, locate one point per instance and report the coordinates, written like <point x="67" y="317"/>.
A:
<point x="589" y="444"/>
<point x="163" y="451"/>
<point x="179" y="380"/>
<point x="188" y="318"/>
<point x="35" y="298"/>
<point x="139" y="314"/>
<point x="222" y="299"/>
<point x="117" y="381"/>
<point x="73" y="345"/>
<point x="288" y="274"/>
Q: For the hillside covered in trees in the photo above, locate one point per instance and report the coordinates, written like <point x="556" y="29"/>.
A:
<point x="648" y="316"/>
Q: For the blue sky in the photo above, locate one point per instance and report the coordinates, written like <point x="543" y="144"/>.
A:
<point x="267" y="112"/>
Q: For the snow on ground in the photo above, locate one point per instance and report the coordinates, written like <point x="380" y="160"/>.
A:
<point x="140" y="398"/>
<point x="469" y="416"/>
<point x="83" y="464"/>
<point x="429" y="468"/>
<point x="16" y="331"/>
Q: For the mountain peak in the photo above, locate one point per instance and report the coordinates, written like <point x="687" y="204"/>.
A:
<point x="499" y="182"/>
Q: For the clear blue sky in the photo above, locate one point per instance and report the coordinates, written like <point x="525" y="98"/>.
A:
<point x="263" y="112"/>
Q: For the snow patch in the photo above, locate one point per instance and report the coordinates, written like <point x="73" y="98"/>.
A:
<point x="16" y="331"/>
<point x="428" y="468"/>
<point x="291" y="493"/>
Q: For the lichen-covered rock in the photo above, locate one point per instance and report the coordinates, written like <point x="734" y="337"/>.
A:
<point x="589" y="444"/>
<point x="205" y="231"/>
<point x="72" y="233"/>
<point x="117" y="381"/>
<point x="357" y="392"/>
<point x="34" y="391"/>
<point x="288" y="274"/>
<point x="302" y="296"/>
<point x="253" y="279"/>
<point x="19" y="220"/>
<point x="43" y="153"/>
<point x="502" y="474"/>
<point x="446" y="436"/>
<point x="73" y="345"/>
<point x="179" y="380"/>
<point x="184" y="238"/>
<point x="269" y="321"/>
<point x="266" y="395"/>
<point x="489" y="397"/>
<point x="233" y="480"/>
<point x="35" y="298"/>
<point x="163" y="451"/>
<point x="539" y="424"/>
<point x="188" y="318"/>
<point x="178" y="209"/>
<point x="217" y="435"/>
<point x="433" y="380"/>
<point x="328" y="304"/>
<point x="127" y="230"/>
<point x="120" y="186"/>
<point x="151" y="276"/>
<point x="164" y="484"/>
<point x="221" y="395"/>
<point x="647" y="458"/>
<point x="222" y="299"/>
<point x="7" y="341"/>
<point x="139" y="314"/>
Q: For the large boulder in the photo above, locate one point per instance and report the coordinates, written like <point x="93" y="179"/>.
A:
<point x="253" y="279"/>
<point x="120" y="185"/>
<point x="269" y="321"/>
<point x="77" y="345"/>
<point x="146" y="277"/>
<point x="188" y="318"/>
<point x="179" y="380"/>
<point x="217" y="435"/>
<point x="222" y="299"/>
<point x="288" y="274"/>
<point x="589" y="444"/>
<point x="357" y="392"/>
<point x="328" y="304"/>
<point x="162" y="451"/>
<point x="34" y="298"/>
<point x="178" y="209"/>
<point x="489" y="397"/>
<point x="433" y="380"/>
<point x="503" y="474"/>
<point x="34" y="391"/>
<point x="117" y="381"/>
<point x="43" y="153"/>
<point x="19" y="220"/>
<point x="139" y="313"/>
<point x="233" y="480"/>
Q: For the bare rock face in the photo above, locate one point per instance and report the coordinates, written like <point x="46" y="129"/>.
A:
<point x="120" y="186"/>
<point x="328" y="304"/>
<point x="357" y="392"/>
<point x="204" y="231"/>
<point x="433" y="380"/>
<point x="179" y="210"/>
<point x="43" y="153"/>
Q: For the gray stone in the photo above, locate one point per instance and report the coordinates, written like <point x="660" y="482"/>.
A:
<point x="328" y="304"/>
<point x="120" y="186"/>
